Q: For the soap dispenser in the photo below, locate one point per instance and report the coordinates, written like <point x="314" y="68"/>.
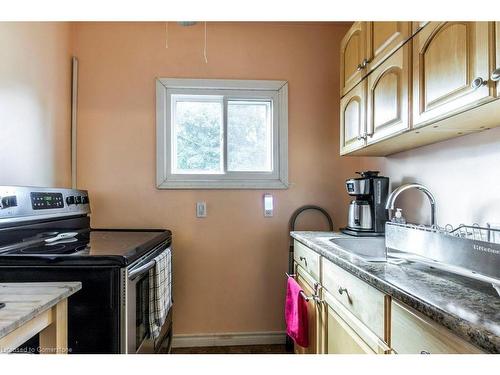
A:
<point x="398" y="217"/>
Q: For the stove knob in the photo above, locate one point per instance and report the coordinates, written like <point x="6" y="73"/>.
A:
<point x="70" y="200"/>
<point x="78" y="199"/>
<point x="85" y="199"/>
<point x="6" y="202"/>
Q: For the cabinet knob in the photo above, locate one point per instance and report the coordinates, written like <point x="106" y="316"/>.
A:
<point x="495" y="75"/>
<point x="362" y="65"/>
<point x="478" y="82"/>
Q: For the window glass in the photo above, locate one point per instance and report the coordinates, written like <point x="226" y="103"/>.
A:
<point x="197" y="137"/>
<point x="249" y="136"/>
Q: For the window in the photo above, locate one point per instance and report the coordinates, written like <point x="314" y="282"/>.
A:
<point x="220" y="134"/>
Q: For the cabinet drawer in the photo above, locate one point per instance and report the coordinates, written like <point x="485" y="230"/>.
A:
<point x="307" y="259"/>
<point x="361" y="299"/>
<point x="412" y="333"/>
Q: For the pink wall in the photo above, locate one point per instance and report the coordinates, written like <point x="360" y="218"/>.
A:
<point x="35" y="103"/>
<point x="229" y="266"/>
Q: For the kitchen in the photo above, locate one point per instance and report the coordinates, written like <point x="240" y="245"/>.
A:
<point x="81" y="106"/>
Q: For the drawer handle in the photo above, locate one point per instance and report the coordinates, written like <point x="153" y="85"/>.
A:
<point x="344" y="290"/>
<point x="424" y="352"/>
<point x="303" y="259"/>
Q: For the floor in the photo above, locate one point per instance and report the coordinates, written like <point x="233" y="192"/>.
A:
<point x="247" y="349"/>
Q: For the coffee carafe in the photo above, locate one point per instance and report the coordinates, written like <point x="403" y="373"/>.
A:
<point x="367" y="214"/>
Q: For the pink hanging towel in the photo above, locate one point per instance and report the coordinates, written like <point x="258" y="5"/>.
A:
<point x="296" y="314"/>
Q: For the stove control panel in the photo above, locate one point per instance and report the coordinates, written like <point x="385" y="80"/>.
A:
<point x="26" y="203"/>
<point x="43" y="201"/>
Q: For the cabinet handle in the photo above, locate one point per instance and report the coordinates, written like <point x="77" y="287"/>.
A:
<point x="344" y="290"/>
<point x="478" y="82"/>
<point x="304" y="260"/>
<point x="495" y="75"/>
<point x="363" y="64"/>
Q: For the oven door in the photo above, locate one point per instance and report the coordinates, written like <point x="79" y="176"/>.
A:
<point x="135" y="317"/>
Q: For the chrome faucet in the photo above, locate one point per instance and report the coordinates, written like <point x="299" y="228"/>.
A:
<point x="392" y="198"/>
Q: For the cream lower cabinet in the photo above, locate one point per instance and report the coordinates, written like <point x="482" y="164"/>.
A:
<point x="349" y="316"/>
<point x="307" y="282"/>
<point x="344" y="333"/>
<point x="412" y="333"/>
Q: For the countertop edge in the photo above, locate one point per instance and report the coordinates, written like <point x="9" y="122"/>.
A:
<point x="68" y="289"/>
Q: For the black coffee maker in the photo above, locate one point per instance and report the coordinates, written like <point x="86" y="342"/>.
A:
<point x="367" y="212"/>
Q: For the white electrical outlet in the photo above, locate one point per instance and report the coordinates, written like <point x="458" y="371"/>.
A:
<point x="201" y="209"/>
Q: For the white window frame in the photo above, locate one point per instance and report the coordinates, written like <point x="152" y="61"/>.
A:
<point x="275" y="91"/>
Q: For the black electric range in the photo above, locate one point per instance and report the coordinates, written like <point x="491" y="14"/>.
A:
<point x="45" y="235"/>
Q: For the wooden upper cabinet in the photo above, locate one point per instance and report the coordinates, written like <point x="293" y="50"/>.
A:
<point x="353" y="119"/>
<point x="416" y="26"/>
<point x="388" y="96"/>
<point x="450" y="69"/>
<point x="352" y="54"/>
<point x="383" y="38"/>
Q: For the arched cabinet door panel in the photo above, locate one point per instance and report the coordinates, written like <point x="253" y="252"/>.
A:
<point x="383" y="38"/>
<point x="450" y="69"/>
<point x="387" y="99"/>
<point x="353" y="119"/>
<point x="352" y="54"/>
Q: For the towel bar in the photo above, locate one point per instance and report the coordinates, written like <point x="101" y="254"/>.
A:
<point x="306" y="298"/>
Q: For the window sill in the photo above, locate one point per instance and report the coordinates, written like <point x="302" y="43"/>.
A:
<point x="224" y="184"/>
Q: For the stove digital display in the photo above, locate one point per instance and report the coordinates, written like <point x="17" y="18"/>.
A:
<point x="43" y="201"/>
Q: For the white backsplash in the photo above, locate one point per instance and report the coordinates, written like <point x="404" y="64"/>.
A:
<point x="462" y="173"/>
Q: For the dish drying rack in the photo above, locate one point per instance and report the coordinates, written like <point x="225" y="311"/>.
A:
<point x="470" y="250"/>
<point x="473" y="232"/>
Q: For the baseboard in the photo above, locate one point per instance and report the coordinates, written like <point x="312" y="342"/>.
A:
<point x="228" y="339"/>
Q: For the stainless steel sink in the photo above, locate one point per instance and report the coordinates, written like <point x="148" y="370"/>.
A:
<point x="371" y="249"/>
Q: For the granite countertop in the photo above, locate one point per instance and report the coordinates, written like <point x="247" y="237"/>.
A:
<point x="24" y="301"/>
<point x="470" y="308"/>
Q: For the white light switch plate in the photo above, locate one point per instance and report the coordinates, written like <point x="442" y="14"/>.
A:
<point x="201" y="209"/>
<point x="268" y="205"/>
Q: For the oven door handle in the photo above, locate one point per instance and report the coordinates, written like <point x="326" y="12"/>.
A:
<point x="134" y="273"/>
